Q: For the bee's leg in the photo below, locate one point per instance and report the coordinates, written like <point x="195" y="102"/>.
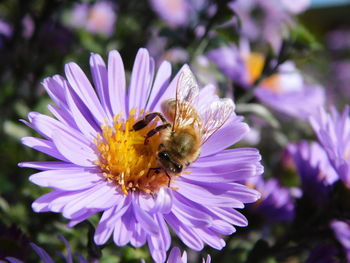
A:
<point x="147" y="119"/>
<point x="155" y="130"/>
<point x="169" y="177"/>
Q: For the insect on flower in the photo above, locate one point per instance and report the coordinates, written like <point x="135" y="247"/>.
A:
<point x="182" y="129"/>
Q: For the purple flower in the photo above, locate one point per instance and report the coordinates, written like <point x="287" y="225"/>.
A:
<point x="276" y="203"/>
<point x="176" y="257"/>
<point x="285" y="91"/>
<point x="99" y="18"/>
<point x="104" y="165"/>
<point x="342" y="232"/>
<point x="333" y="132"/>
<point x="314" y="169"/>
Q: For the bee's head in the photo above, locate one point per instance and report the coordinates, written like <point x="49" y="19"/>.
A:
<point x="168" y="164"/>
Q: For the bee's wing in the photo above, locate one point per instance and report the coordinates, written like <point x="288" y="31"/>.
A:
<point x="187" y="91"/>
<point x="215" y="116"/>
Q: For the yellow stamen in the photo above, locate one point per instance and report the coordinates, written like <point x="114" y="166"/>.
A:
<point x="125" y="159"/>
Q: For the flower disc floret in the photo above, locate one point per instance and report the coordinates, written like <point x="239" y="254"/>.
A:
<point x="125" y="158"/>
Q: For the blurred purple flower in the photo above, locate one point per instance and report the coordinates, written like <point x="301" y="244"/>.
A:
<point x="276" y="202"/>
<point x="342" y="233"/>
<point x="98" y="18"/>
<point x="5" y="28"/>
<point x="340" y="78"/>
<point x="178" y="13"/>
<point x="314" y="169"/>
<point x="333" y="132"/>
<point x="272" y="23"/>
<point x="283" y="91"/>
<point x="176" y="257"/>
<point x="173" y="12"/>
<point x="338" y="39"/>
<point x="97" y="169"/>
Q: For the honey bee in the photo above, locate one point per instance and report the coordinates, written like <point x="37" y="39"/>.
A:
<point x="185" y="125"/>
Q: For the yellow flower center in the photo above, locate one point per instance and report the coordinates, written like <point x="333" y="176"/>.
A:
<point x="126" y="159"/>
<point x="255" y="63"/>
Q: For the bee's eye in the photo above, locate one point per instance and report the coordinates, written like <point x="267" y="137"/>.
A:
<point x="178" y="167"/>
<point x="164" y="156"/>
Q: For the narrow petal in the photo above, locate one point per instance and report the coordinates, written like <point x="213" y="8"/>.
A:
<point x="74" y="150"/>
<point x="116" y="83"/>
<point x="48" y="165"/>
<point x="68" y="180"/>
<point x="145" y="219"/>
<point x="139" y="80"/>
<point x="161" y="83"/>
<point x="82" y="86"/>
<point x="185" y="233"/>
<point x="43" y="146"/>
<point x="164" y="201"/>
<point x="234" y="128"/>
<point x="100" y="78"/>
<point x="42" y="253"/>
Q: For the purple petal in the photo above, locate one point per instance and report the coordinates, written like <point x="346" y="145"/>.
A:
<point x="203" y="195"/>
<point x="138" y="237"/>
<point x="12" y="260"/>
<point x="63" y="115"/>
<point x="100" y="77"/>
<point x="139" y="80"/>
<point x="174" y="256"/>
<point x="160" y="85"/>
<point x="169" y="92"/>
<point x="48" y="165"/>
<point x="81" y="218"/>
<point x="164" y="201"/>
<point x="42" y="253"/>
<point x="55" y="88"/>
<point x="210" y="237"/>
<point x="84" y="90"/>
<point x="122" y="235"/>
<point x="235" y="129"/>
<point x="145" y="219"/>
<point x="74" y="150"/>
<point x="186" y="234"/>
<point x="43" y="146"/>
<point x="230" y="215"/>
<point x="82" y="117"/>
<point x="68" y="180"/>
<point x="116" y="83"/>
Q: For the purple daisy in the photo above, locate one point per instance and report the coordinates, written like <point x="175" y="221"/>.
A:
<point x="104" y="164"/>
<point x="333" y="132"/>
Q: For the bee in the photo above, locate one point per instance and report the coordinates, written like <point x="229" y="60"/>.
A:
<point x="185" y="125"/>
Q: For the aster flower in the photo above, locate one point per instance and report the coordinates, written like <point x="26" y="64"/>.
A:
<point x="276" y="202"/>
<point x="333" y="132"/>
<point x="104" y="164"/>
<point x="314" y="169"/>
<point x="342" y="232"/>
<point x="283" y="91"/>
<point x="98" y="18"/>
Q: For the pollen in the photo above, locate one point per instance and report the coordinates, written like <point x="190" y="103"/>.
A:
<point x="126" y="160"/>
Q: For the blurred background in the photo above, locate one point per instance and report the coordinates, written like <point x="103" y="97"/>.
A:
<point x="38" y="37"/>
